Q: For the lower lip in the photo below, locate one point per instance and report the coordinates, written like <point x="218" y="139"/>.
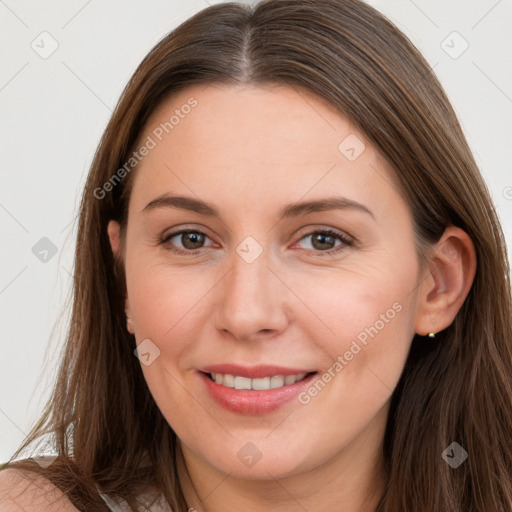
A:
<point x="254" y="403"/>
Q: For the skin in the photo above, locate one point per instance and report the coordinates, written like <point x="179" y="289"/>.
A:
<point x="249" y="151"/>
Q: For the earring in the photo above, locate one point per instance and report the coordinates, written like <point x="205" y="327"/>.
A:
<point x="431" y="334"/>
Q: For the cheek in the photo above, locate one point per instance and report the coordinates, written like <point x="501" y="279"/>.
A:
<point x="168" y="305"/>
<point x="348" y="301"/>
<point x="363" y="324"/>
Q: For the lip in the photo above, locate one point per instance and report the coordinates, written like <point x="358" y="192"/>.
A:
<point x="251" y="402"/>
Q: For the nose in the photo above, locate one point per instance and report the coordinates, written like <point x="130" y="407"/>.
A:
<point x="252" y="301"/>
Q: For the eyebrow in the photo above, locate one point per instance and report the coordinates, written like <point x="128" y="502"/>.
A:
<point x="291" y="210"/>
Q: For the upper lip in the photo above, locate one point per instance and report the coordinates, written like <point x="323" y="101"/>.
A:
<point x="253" y="372"/>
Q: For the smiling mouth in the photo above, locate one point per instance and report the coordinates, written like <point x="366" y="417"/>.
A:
<point x="260" y="384"/>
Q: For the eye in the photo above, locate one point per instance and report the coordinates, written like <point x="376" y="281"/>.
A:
<point x="190" y="240"/>
<point x="324" y="240"/>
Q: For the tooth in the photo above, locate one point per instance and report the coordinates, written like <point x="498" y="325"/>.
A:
<point x="289" y="379"/>
<point x="229" y="381"/>
<point x="263" y="383"/>
<point x="242" y="383"/>
<point x="277" y="381"/>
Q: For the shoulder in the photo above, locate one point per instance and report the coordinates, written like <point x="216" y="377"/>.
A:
<point x="23" y="491"/>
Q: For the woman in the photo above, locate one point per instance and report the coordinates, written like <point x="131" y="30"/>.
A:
<point x="291" y="287"/>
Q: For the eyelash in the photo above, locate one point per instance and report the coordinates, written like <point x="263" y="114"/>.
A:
<point x="346" y="242"/>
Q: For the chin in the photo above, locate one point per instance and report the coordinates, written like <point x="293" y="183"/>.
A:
<point x="264" y="463"/>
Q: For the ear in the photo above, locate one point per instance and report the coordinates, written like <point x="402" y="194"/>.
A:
<point x="114" y="236"/>
<point x="446" y="282"/>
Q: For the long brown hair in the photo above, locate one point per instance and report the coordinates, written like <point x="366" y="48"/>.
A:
<point x="106" y="427"/>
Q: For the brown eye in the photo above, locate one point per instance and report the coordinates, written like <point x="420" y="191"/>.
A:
<point x="185" y="241"/>
<point x="327" y="241"/>
<point x="323" y="241"/>
<point x="192" y="239"/>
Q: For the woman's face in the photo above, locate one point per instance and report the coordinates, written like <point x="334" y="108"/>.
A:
<point x="254" y="292"/>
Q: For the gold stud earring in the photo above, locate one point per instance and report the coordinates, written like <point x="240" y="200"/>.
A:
<point x="431" y="334"/>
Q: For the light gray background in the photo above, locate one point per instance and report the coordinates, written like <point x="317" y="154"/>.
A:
<point x="54" y="109"/>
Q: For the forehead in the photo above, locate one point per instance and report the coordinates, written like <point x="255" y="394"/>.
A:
<point x="255" y="142"/>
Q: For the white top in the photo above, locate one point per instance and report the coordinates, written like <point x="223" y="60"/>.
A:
<point x="121" y="506"/>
